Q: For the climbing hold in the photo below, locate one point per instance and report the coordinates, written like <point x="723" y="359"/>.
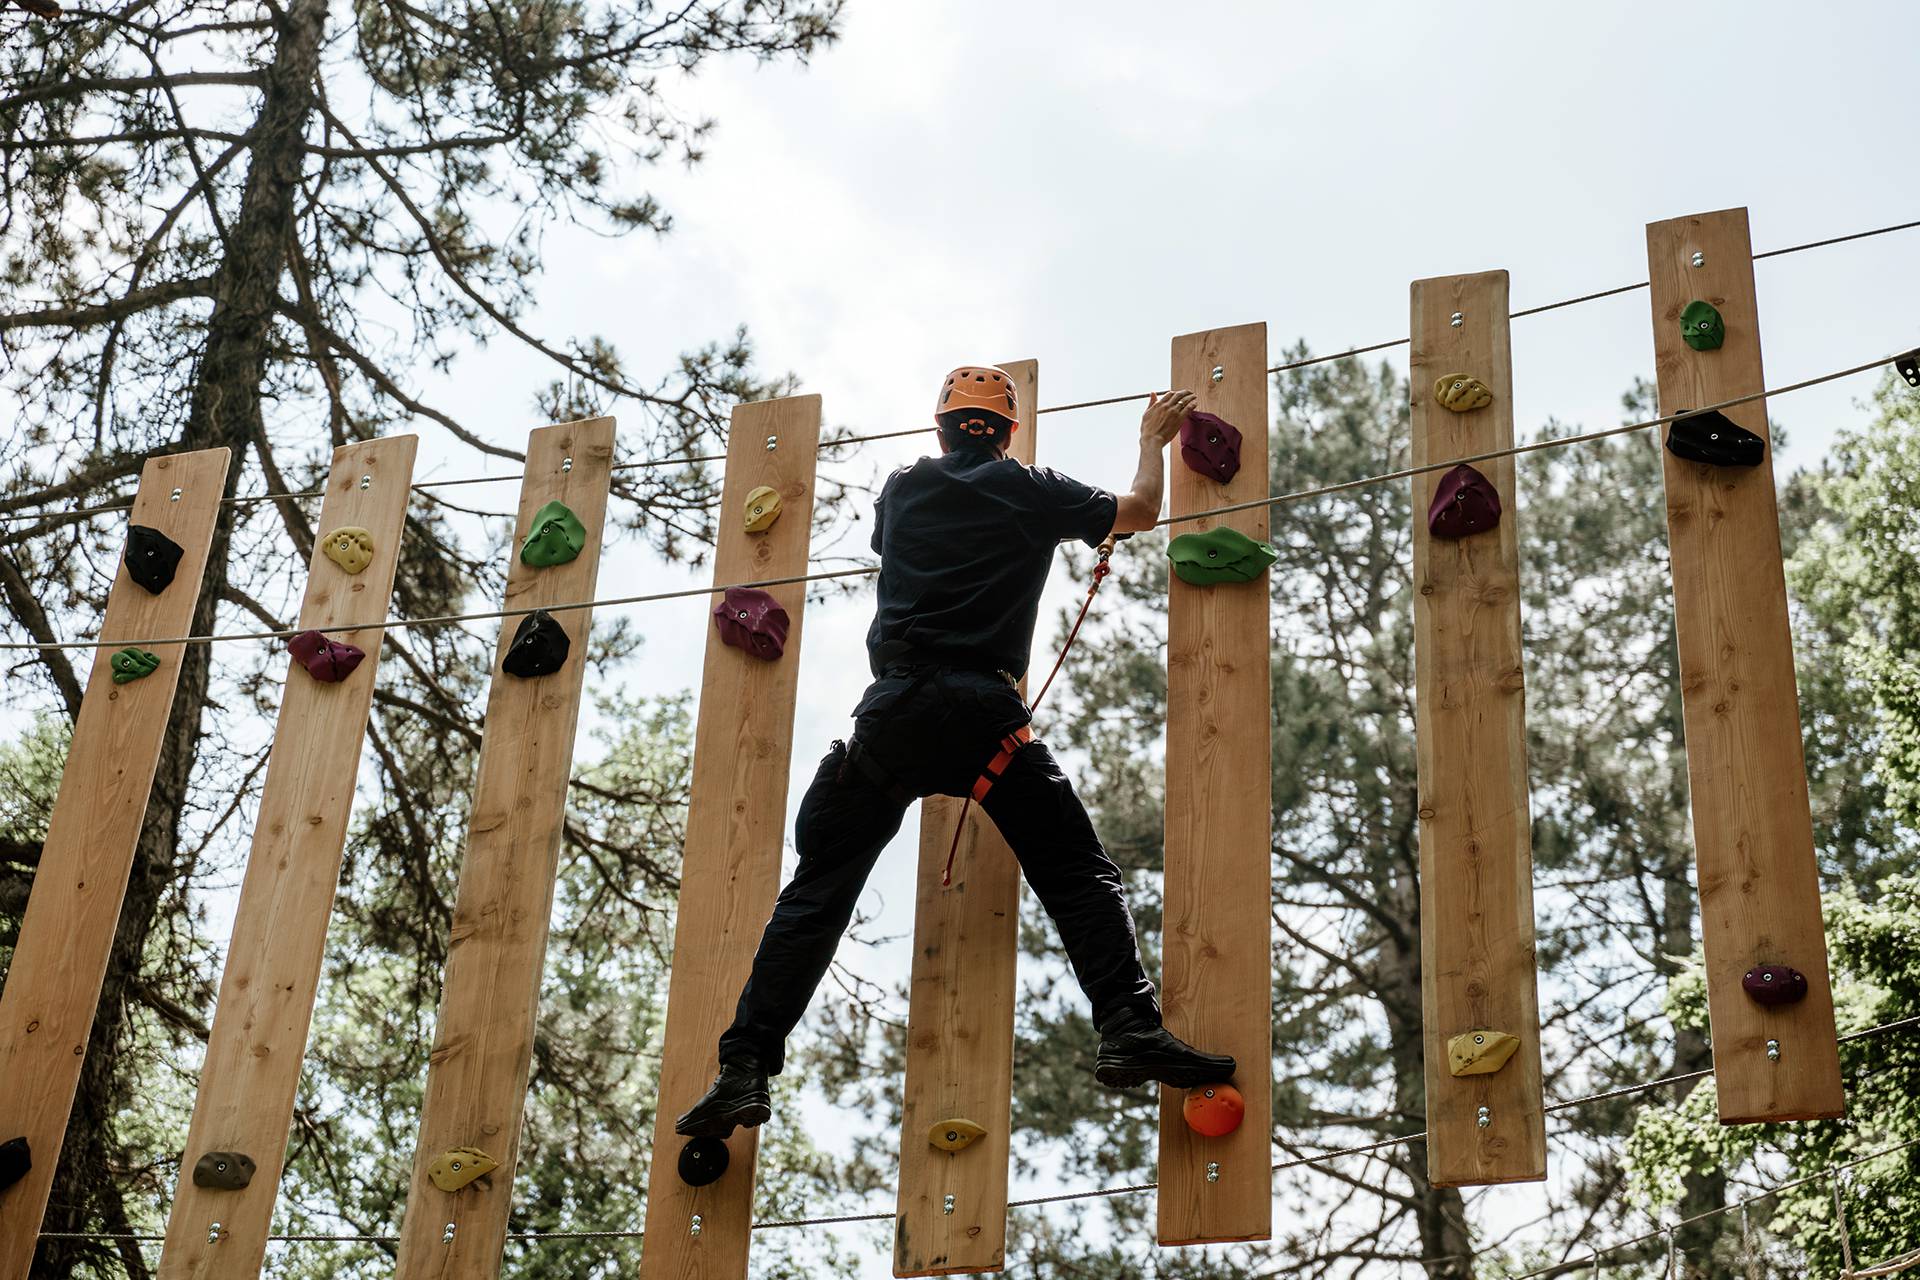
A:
<point x="1210" y="445"/>
<point x="539" y="647"/>
<point x="1461" y="392"/>
<point x="1221" y="554"/>
<point x="702" y="1161"/>
<point x="328" y="661"/>
<point x="1464" y="502"/>
<point x="452" y="1170"/>
<point x="350" y="547"/>
<point x="557" y="537"/>
<point x="151" y="557"/>
<point x="1909" y="367"/>
<point x="16" y="1161"/>
<point x="751" y="619"/>
<point x="223" y="1170"/>
<point x="954" y="1135"/>
<point x="1701" y="326"/>
<point x="1479" y="1053"/>
<point x="763" y="508"/>
<point x="1213" y="1110"/>
<point x="1775" y="984"/>
<point x="131" y="664"/>
<point x="1712" y="437"/>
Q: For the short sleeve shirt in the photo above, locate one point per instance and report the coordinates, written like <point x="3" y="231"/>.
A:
<point x="966" y="541"/>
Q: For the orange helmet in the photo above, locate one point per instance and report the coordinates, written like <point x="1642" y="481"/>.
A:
<point x="980" y="387"/>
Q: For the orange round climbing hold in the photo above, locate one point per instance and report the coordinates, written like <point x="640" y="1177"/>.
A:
<point x="1214" y="1110"/>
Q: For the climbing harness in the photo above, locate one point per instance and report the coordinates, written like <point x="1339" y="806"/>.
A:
<point x="1011" y="744"/>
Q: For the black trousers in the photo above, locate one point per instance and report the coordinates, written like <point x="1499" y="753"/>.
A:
<point x="931" y="731"/>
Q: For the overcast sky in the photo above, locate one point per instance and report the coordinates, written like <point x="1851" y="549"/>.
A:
<point x="959" y="183"/>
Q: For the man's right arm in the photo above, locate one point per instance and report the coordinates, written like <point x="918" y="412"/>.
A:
<point x="1139" y="507"/>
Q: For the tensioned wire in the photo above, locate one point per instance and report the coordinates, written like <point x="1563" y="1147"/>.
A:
<point x="1298" y="495"/>
<point x="1128" y="1188"/>
<point x="644" y="463"/>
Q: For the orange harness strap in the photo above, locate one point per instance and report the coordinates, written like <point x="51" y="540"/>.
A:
<point x="1001" y="759"/>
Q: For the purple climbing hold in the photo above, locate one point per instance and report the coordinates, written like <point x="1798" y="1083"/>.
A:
<point x="751" y="619"/>
<point x="1772" y="984"/>
<point x="1210" y="445"/>
<point x="1464" y="503"/>
<point x="328" y="661"/>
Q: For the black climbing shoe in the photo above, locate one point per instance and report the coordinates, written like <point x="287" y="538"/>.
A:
<point x="1135" y="1049"/>
<point x="738" y="1097"/>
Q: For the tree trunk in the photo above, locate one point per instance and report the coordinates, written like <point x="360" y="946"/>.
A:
<point x="1701" y="1192"/>
<point x="1442" y="1213"/>
<point x="225" y="407"/>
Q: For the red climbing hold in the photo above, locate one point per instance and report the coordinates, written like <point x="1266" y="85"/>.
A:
<point x="752" y="620"/>
<point x="1214" y="1110"/>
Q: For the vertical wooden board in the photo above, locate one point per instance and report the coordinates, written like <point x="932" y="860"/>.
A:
<point x="1752" y="829"/>
<point x="60" y="959"/>
<point x="736" y="824"/>
<point x="1217" y="980"/>
<point x="960" y="1018"/>
<point x="497" y="944"/>
<point x="1476" y="850"/>
<point x="259" y="1034"/>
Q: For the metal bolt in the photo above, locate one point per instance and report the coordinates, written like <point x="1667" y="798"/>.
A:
<point x="446" y="1237"/>
<point x="175" y="497"/>
<point x="1485" y="1117"/>
<point x="773" y="442"/>
<point x="214" y="1232"/>
<point x="1457" y="319"/>
<point x="693" y="1228"/>
<point x="1219" y="372"/>
<point x="1213" y="1171"/>
<point x="1773" y="1051"/>
<point x="1699" y="258"/>
<point x="456" y="1166"/>
<point x="566" y="465"/>
<point x="946" y="1206"/>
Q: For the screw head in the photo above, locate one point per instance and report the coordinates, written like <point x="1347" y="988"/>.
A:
<point x="1699" y="258"/>
<point x="946" y="1206"/>
<point x="566" y="464"/>
<point x="1213" y="1171"/>
<point x="446" y="1236"/>
<point x="1457" y="319"/>
<point x="693" y="1228"/>
<point x="175" y="497"/>
<point x="1773" y="1051"/>
<point x="366" y="482"/>
<point x="1485" y="1117"/>
<point x="773" y="442"/>
<point x="1219" y="372"/>
<point x="214" y="1232"/>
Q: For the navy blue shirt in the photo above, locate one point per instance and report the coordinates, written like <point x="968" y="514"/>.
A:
<point x="965" y="541"/>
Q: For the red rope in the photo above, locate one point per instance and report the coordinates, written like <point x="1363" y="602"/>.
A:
<point x="1100" y="572"/>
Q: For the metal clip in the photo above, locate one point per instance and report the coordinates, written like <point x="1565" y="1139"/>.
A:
<point x="566" y="465"/>
<point x="446" y="1237"/>
<point x="1773" y="1051"/>
<point x="1485" y="1117"/>
<point x="946" y="1206"/>
<point x="1213" y="1171"/>
<point x="693" y="1228"/>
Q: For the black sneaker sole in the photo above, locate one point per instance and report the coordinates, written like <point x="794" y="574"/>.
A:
<point x="749" y="1113"/>
<point x="1129" y="1075"/>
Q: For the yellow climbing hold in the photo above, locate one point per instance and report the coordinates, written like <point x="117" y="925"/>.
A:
<point x="763" y="508"/>
<point x="1479" y="1053"/>
<point x="1461" y="392"/>
<point x="454" y="1169"/>
<point x="954" y="1135"/>
<point x="349" y="547"/>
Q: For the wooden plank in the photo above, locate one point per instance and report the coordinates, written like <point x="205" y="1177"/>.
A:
<point x="1476" y="849"/>
<point x="736" y="825"/>
<point x="497" y="945"/>
<point x="259" y="1033"/>
<point x="960" y="1018"/>
<point x="1217" y="985"/>
<point x="60" y="959"/>
<point x="1752" y="830"/>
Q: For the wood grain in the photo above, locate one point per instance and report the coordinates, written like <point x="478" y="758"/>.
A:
<point x="1476" y="850"/>
<point x="1217" y="985"/>
<point x="1752" y="829"/>
<point x="960" y="1018"/>
<point x="259" y="1033"/>
<point x="497" y="945"/>
<point x="736" y="825"/>
<point x="60" y="959"/>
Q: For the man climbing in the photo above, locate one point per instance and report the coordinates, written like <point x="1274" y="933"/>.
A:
<point x="965" y="543"/>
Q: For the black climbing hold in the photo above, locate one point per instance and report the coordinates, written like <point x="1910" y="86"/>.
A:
<point x="1772" y="984"/>
<point x="1712" y="437"/>
<point x="702" y="1161"/>
<point x="223" y="1170"/>
<point x="1210" y="445"/>
<point x="151" y="557"/>
<point x="1465" y="502"/>
<point x="751" y="619"/>
<point x="16" y="1159"/>
<point x="328" y="661"/>
<point x="1909" y="367"/>
<point x="539" y="647"/>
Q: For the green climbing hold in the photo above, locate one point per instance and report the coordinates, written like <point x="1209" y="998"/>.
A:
<point x="1219" y="555"/>
<point x="132" y="664"/>
<point x="1702" y="326"/>
<point x="557" y="536"/>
